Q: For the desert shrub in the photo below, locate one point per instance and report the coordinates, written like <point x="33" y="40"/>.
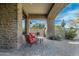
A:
<point x="70" y="34"/>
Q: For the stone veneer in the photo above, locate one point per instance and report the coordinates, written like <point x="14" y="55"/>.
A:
<point x="8" y="25"/>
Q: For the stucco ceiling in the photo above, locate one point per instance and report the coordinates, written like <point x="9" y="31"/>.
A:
<point x="36" y="8"/>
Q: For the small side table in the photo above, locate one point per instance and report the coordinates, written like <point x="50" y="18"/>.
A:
<point x="40" y="39"/>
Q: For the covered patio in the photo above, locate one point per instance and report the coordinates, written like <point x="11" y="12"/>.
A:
<point x="12" y="40"/>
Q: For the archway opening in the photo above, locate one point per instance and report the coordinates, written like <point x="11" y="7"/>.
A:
<point x="69" y="19"/>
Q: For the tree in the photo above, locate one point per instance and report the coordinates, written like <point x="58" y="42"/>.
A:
<point x="62" y="29"/>
<point x="39" y="26"/>
<point x="63" y="23"/>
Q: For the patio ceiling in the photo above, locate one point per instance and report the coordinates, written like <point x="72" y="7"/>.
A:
<point x="43" y="10"/>
<point x="37" y="9"/>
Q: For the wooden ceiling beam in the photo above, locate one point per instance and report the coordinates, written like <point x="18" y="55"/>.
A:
<point x="56" y="9"/>
<point x="50" y="8"/>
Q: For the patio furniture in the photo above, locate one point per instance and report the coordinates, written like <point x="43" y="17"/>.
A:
<point x="31" y="38"/>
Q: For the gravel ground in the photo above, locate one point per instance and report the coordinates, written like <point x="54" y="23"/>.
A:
<point x="46" y="48"/>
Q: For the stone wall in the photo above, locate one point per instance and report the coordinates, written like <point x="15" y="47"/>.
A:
<point x="8" y="25"/>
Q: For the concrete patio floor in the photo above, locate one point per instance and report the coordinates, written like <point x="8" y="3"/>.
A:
<point x="46" y="48"/>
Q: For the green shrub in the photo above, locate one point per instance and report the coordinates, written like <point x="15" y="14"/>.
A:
<point x="70" y="34"/>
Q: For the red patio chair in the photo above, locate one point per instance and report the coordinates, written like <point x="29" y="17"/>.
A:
<point x="31" y="38"/>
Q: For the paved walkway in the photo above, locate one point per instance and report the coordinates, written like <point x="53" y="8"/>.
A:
<point x="46" y="48"/>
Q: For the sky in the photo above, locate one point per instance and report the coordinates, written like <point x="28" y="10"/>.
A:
<point x="70" y="12"/>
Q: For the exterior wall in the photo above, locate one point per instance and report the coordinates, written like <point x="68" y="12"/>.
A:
<point x="8" y="25"/>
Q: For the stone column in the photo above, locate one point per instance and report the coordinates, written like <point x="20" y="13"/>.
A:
<point x="50" y="27"/>
<point x="19" y="17"/>
<point x="27" y="24"/>
<point x="20" y="37"/>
